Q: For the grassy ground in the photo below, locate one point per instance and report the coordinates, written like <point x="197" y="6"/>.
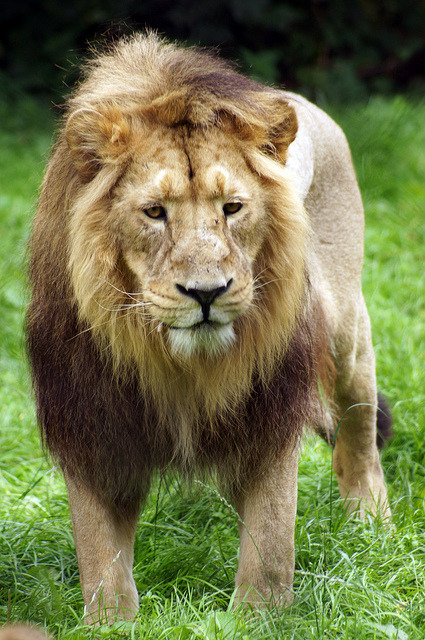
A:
<point x="353" y="580"/>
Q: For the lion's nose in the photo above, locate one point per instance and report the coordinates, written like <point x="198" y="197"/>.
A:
<point x="205" y="297"/>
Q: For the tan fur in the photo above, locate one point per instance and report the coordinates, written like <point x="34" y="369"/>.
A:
<point x="21" y="632"/>
<point x="158" y="130"/>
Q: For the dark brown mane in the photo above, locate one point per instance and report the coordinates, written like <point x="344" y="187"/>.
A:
<point x="103" y="430"/>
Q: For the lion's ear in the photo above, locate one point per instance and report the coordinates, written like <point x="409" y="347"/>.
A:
<point x="97" y="137"/>
<point x="282" y="127"/>
<point x="271" y="125"/>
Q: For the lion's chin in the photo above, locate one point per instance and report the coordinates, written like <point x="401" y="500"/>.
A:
<point x="206" y="338"/>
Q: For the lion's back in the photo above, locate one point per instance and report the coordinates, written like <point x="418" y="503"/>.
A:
<point x="320" y="160"/>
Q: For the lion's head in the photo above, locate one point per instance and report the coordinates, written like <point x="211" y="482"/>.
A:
<point x="187" y="243"/>
<point x="177" y="234"/>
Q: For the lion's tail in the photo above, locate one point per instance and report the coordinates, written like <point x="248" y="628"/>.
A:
<point x="384" y="422"/>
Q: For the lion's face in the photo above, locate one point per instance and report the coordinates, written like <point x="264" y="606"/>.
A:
<point x="190" y="219"/>
<point x="186" y="238"/>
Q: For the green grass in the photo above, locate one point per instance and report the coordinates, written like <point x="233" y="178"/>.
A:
<point x="353" y="580"/>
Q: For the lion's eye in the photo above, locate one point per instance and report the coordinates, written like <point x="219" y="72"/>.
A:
<point x="156" y="212"/>
<point x="232" y="207"/>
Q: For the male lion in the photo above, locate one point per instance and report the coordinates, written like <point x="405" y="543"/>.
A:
<point x="195" y="265"/>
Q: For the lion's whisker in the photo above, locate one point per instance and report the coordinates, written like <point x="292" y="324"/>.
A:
<point x="125" y="313"/>
<point x="259" y="285"/>
<point x="125" y="307"/>
<point x="126" y="293"/>
<point x="260" y="273"/>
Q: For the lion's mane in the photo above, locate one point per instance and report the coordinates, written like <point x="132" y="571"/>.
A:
<point x="113" y="404"/>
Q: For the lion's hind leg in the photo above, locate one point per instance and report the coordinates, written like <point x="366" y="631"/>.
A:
<point x="356" y="459"/>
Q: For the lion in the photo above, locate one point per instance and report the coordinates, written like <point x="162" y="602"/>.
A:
<point x="195" y="264"/>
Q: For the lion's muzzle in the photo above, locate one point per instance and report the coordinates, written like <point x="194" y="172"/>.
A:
<point x="205" y="297"/>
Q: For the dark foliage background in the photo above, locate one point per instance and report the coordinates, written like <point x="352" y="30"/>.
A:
<point x="335" y="49"/>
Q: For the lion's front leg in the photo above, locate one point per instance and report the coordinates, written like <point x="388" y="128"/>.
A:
<point x="267" y="508"/>
<point x="104" y="541"/>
